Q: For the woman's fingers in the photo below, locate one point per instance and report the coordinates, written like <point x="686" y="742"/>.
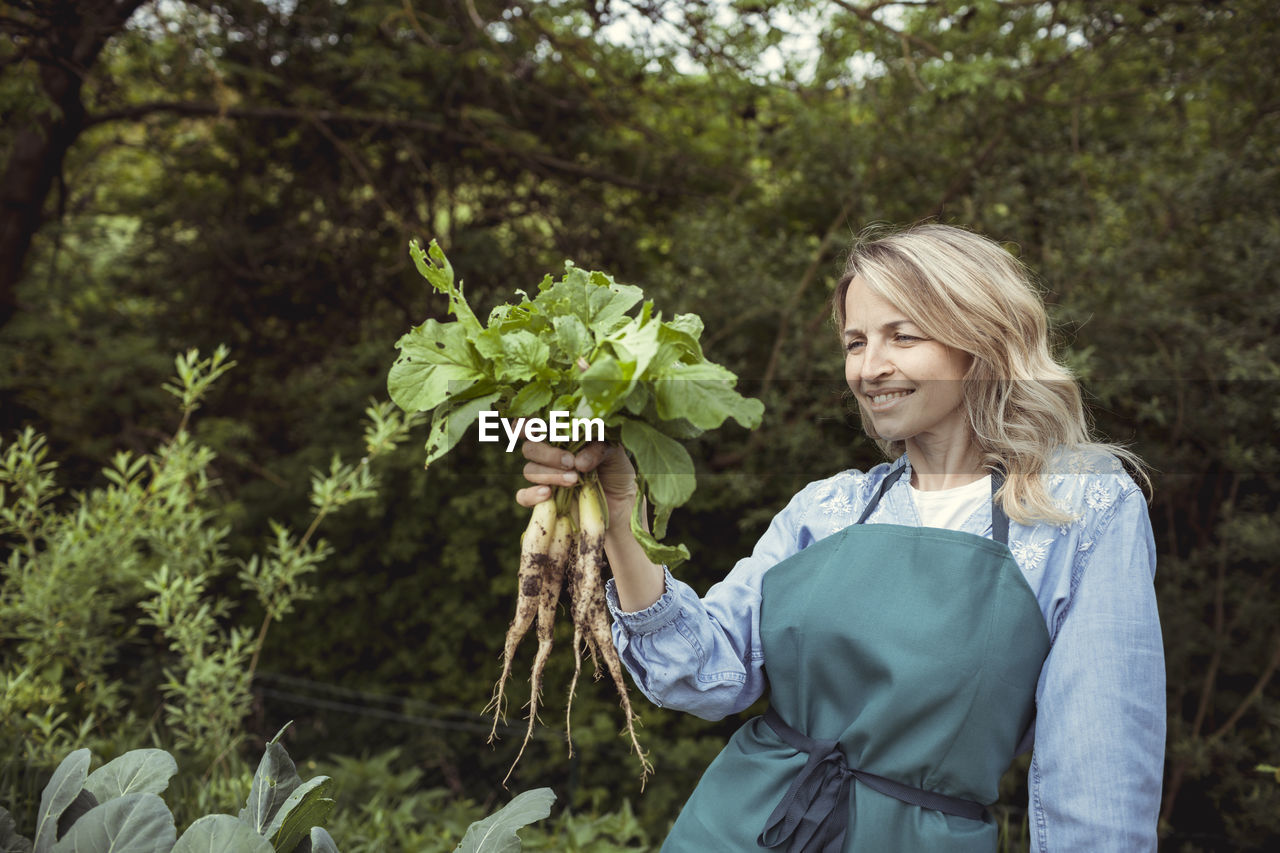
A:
<point x="547" y="454"/>
<point x="549" y="475"/>
<point x="549" y="466"/>
<point x="532" y="496"/>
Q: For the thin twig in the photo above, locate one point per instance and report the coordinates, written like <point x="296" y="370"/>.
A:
<point x="1251" y="697"/>
<point x="867" y="14"/>
<point x="810" y="273"/>
<point x="1211" y="672"/>
<point x="365" y="175"/>
<point x="476" y="19"/>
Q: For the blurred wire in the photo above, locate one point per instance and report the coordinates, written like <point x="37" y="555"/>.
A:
<point x="472" y="721"/>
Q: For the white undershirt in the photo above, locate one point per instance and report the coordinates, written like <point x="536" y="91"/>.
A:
<point x="949" y="508"/>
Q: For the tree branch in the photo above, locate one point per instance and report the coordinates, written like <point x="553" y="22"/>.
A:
<point x="1219" y="626"/>
<point x="363" y="171"/>
<point x="1258" y="687"/>
<point x="201" y="109"/>
<point x="867" y="15"/>
<point x="963" y="178"/>
<point x="729" y="459"/>
<point x="810" y="273"/>
<point x="1211" y="672"/>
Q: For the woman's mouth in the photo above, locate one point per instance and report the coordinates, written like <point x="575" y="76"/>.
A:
<point x="883" y="400"/>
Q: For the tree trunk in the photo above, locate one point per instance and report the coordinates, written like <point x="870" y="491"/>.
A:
<point x="68" y="36"/>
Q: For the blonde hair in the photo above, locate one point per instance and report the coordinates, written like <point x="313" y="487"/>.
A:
<point x="967" y="292"/>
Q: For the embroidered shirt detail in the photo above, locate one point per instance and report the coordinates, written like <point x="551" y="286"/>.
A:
<point x="1030" y="555"/>
<point x="1098" y="496"/>
<point x="1083" y="463"/>
<point x="837" y="502"/>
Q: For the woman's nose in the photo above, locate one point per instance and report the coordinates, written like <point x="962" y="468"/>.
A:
<point x="874" y="363"/>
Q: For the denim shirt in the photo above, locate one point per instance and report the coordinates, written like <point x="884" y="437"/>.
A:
<point x="1098" y="758"/>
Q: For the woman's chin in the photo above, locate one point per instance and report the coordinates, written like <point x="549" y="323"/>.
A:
<point x="888" y="432"/>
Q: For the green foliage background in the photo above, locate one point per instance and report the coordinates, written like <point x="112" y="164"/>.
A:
<point x="251" y="172"/>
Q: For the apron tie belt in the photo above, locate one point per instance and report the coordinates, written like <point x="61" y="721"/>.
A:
<point x="813" y="816"/>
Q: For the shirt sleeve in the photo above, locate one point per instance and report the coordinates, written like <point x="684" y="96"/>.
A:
<point x="1098" y="761"/>
<point x="703" y="655"/>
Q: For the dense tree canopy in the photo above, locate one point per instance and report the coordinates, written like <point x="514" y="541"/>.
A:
<point x="250" y="172"/>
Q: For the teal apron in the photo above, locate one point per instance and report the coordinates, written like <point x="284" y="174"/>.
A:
<point x="902" y="663"/>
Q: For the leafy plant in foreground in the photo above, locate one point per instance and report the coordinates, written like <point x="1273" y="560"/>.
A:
<point x="118" y="807"/>
<point x="497" y="833"/>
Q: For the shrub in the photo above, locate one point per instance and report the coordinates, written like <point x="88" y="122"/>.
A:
<point x="118" y="807"/>
<point x="115" y="596"/>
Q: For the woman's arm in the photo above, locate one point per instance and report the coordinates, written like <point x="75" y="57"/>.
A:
<point x="1100" y="730"/>
<point x="703" y="655"/>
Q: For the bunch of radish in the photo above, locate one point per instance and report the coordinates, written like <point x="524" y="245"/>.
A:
<point x="577" y="346"/>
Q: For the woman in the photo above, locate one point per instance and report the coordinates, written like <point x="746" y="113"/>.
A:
<point x="988" y="589"/>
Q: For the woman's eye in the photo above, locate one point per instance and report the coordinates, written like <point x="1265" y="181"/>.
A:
<point x="908" y="338"/>
<point x="852" y="345"/>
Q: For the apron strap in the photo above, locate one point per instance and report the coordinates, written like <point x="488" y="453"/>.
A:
<point x="999" y="521"/>
<point x="813" y="814"/>
<point x="888" y="481"/>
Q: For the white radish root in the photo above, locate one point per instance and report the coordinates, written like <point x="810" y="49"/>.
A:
<point x="534" y="546"/>
<point x="558" y="557"/>
<point x="550" y="553"/>
<point x="591" y="616"/>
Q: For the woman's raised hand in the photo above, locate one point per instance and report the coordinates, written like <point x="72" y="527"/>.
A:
<point x="640" y="581"/>
<point x="553" y="466"/>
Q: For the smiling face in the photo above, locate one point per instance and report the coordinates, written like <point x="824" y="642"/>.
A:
<point x="908" y="385"/>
